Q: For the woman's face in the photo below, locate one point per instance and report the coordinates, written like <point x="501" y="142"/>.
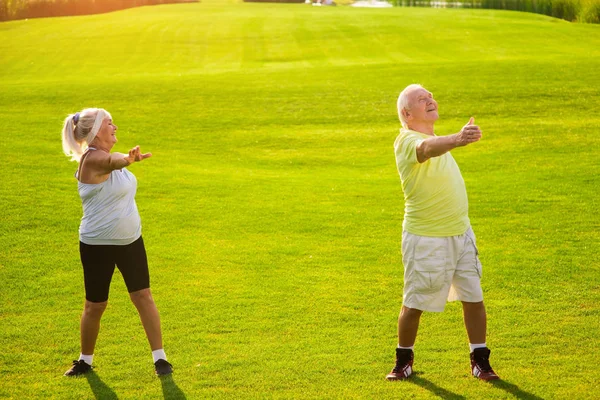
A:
<point x="106" y="134"/>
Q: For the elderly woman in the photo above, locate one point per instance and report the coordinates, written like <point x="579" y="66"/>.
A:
<point x="110" y="232"/>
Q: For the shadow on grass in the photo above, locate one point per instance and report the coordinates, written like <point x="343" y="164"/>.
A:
<point x="170" y="389"/>
<point x="99" y="388"/>
<point x="433" y="388"/>
<point x="514" y="390"/>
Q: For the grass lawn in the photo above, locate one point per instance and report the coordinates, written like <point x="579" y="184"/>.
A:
<point x="272" y="208"/>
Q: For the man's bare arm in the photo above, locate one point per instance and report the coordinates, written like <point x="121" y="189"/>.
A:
<point x="438" y="145"/>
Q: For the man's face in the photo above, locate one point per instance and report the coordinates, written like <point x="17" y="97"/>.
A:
<point x="422" y="106"/>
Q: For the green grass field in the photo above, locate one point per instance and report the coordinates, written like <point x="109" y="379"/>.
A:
<point x="272" y="208"/>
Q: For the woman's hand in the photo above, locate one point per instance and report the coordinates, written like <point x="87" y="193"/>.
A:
<point x="135" y="155"/>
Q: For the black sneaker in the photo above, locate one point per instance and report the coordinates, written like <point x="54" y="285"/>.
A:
<point x="79" y="367"/>
<point x="480" y="365"/>
<point x="162" y="367"/>
<point x="404" y="363"/>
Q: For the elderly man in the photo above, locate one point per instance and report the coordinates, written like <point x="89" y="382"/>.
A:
<point x="438" y="245"/>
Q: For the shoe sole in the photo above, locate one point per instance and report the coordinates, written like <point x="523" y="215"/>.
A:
<point x="486" y="380"/>
<point x="396" y="378"/>
<point x="79" y="374"/>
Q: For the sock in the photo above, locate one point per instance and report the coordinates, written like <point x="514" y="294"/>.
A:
<point x="476" y="346"/>
<point x="88" y="359"/>
<point x="159" y="354"/>
<point x="407" y="348"/>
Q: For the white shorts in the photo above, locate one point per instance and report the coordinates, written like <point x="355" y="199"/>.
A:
<point x="437" y="269"/>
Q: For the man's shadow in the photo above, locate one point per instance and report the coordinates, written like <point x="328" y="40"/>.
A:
<point x="514" y="390"/>
<point x="446" y="394"/>
<point x="433" y="388"/>
<point x="170" y="389"/>
<point x="99" y="388"/>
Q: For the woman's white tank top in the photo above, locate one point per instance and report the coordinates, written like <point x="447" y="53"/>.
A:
<point x="110" y="215"/>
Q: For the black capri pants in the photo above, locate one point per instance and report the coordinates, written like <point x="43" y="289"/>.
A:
<point x="99" y="265"/>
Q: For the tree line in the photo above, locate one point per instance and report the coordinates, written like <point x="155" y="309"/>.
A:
<point x="22" y="9"/>
<point x="587" y="11"/>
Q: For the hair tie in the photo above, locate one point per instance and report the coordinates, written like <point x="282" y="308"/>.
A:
<point x="76" y="118"/>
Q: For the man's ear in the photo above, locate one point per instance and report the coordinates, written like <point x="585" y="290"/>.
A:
<point x="405" y="113"/>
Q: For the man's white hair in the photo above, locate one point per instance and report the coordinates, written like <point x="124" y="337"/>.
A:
<point x="403" y="102"/>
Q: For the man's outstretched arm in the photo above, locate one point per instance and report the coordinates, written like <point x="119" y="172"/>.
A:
<point x="438" y="145"/>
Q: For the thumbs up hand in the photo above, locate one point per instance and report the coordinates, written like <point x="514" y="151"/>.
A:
<point x="469" y="133"/>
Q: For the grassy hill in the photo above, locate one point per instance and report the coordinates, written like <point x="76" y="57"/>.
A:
<point x="272" y="208"/>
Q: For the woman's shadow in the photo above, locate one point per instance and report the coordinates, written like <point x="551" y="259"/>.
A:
<point x="99" y="388"/>
<point x="170" y="389"/>
<point x="102" y="392"/>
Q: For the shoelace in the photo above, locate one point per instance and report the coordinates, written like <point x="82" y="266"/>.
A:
<point x="484" y="364"/>
<point x="78" y="365"/>
<point x="162" y="362"/>
<point x="400" y="364"/>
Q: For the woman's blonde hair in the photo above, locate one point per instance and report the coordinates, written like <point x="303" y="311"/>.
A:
<point x="80" y="129"/>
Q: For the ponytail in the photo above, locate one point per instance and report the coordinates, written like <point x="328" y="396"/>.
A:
<point x="71" y="146"/>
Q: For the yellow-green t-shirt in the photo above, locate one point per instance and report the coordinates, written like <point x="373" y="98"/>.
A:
<point x="435" y="197"/>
